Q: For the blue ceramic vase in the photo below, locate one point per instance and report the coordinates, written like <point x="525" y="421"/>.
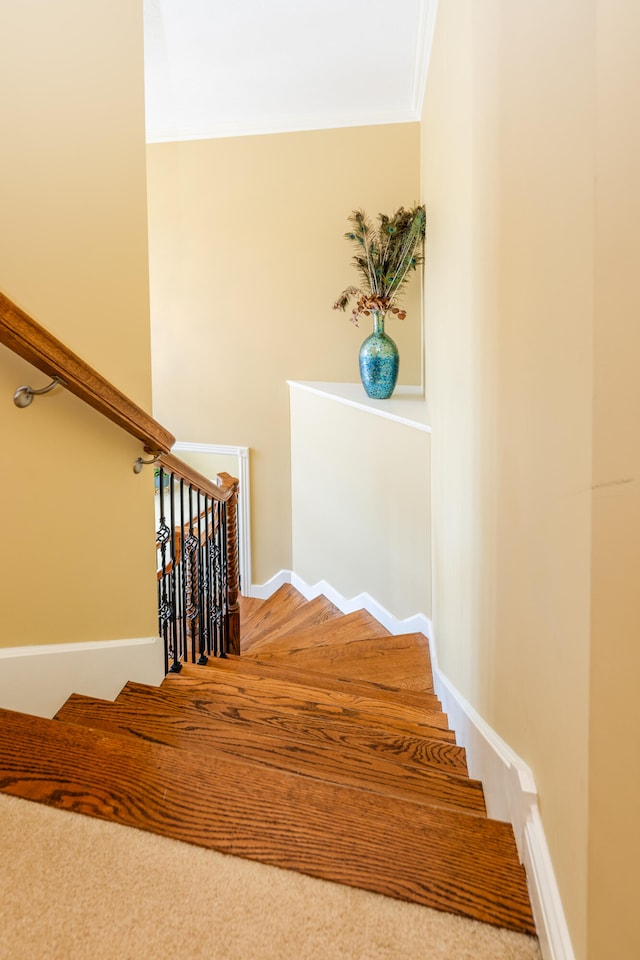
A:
<point x="379" y="361"/>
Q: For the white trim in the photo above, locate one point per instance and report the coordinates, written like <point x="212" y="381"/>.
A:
<point x="418" y="623"/>
<point x="553" y="933"/>
<point x="286" y="125"/>
<point x="262" y="591"/>
<point x="38" y="679"/>
<point x="511" y="795"/>
<point x="508" y="782"/>
<point x="41" y="649"/>
<point x="424" y="43"/>
<point x="244" y="501"/>
<point x="406" y="406"/>
<point x="221" y="448"/>
<point x="510" y="789"/>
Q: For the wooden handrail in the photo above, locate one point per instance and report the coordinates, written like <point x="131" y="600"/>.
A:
<point x="182" y="470"/>
<point x="33" y="343"/>
<point x="22" y="334"/>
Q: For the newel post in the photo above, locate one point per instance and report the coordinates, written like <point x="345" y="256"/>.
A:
<point x="233" y="584"/>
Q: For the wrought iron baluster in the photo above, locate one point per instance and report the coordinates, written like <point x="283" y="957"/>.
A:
<point x="165" y="611"/>
<point x="183" y="570"/>
<point x="206" y="580"/>
<point x="199" y="585"/>
<point x="195" y="593"/>
<point x="224" y="640"/>
<point x="173" y="592"/>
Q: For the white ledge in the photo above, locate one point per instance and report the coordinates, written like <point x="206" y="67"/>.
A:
<point x="407" y="405"/>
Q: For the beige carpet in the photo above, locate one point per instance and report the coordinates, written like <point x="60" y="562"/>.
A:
<point x="74" y="887"/>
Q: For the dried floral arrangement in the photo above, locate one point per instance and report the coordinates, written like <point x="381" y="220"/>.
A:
<point x="385" y="257"/>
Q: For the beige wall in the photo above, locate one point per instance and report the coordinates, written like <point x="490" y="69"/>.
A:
<point x="614" y="775"/>
<point x="508" y="174"/>
<point x="247" y="256"/>
<point x="360" y="516"/>
<point x="78" y="560"/>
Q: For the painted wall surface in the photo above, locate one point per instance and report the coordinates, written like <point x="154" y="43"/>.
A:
<point x="614" y="769"/>
<point x="77" y="561"/>
<point x="247" y="257"/>
<point x="360" y="517"/>
<point x="508" y="178"/>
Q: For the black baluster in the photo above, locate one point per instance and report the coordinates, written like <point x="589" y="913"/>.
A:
<point x="174" y="595"/>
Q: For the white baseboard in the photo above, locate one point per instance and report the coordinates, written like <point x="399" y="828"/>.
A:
<point x="511" y="795"/>
<point x="262" y="591"/>
<point x="418" y="623"/>
<point x="39" y="679"/>
<point x="509" y="787"/>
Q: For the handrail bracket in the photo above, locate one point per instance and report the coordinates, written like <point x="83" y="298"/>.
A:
<point x="24" y="395"/>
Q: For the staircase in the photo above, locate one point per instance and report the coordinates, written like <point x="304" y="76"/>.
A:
<point x="322" y="749"/>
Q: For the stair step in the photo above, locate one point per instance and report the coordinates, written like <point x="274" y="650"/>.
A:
<point x="402" y="661"/>
<point x="188" y="727"/>
<point x="286" y="610"/>
<point x="342" y="734"/>
<point x="439" y="858"/>
<point x="277" y="607"/>
<point x="276" y="679"/>
<point x="286" y="697"/>
<point x="290" y="670"/>
<point x="359" y="625"/>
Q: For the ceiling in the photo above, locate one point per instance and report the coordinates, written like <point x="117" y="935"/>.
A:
<point x="238" y="67"/>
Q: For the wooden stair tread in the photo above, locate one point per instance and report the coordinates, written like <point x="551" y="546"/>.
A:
<point x="414" y="751"/>
<point x="454" y="862"/>
<point x="298" y="672"/>
<point x="285" y="601"/>
<point x="278" y="679"/>
<point x="187" y="727"/>
<point x="308" y="615"/>
<point x="286" y="697"/>
<point x="402" y="661"/>
<point x="359" y="625"/>
<point x="286" y="610"/>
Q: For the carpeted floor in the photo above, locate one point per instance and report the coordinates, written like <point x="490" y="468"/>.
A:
<point x="75" y="888"/>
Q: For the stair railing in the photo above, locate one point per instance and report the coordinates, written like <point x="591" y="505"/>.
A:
<point x="198" y="583"/>
<point x="197" y="545"/>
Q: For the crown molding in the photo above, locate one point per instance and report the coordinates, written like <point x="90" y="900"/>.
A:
<point x="285" y="125"/>
<point x="424" y="43"/>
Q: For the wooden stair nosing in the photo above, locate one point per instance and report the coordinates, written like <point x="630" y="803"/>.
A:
<point x="282" y="699"/>
<point x="278" y="679"/>
<point x="185" y="728"/>
<point x="449" y="861"/>
<point x="349" y="626"/>
<point x="340" y="732"/>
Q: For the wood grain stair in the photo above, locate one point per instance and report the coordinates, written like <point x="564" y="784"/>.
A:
<point x="322" y="749"/>
<point x="285" y="612"/>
